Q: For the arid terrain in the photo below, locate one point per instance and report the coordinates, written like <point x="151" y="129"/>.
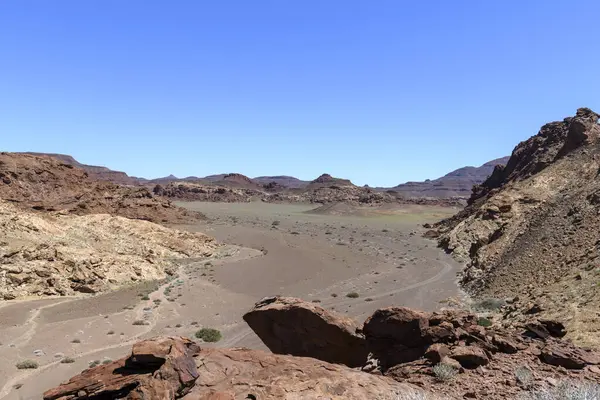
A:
<point x="227" y="287"/>
<point x="273" y="249"/>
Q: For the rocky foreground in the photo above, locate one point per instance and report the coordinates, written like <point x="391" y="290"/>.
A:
<point x="530" y="231"/>
<point x="397" y="353"/>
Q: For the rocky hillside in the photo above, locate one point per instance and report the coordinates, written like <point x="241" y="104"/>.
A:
<point x="94" y="171"/>
<point x="397" y="353"/>
<point x="281" y="180"/>
<point x="457" y="183"/>
<point x="45" y="254"/>
<point x="47" y="183"/>
<point x="531" y="229"/>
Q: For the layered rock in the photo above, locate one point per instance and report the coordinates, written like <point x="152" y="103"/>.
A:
<point x="530" y="229"/>
<point x="174" y="368"/>
<point x="406" y="344"/>
<point x="62" y="254"/>
<point x="48" y="184"/>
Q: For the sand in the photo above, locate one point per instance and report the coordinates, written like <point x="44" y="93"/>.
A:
<point x="378" y="254"/>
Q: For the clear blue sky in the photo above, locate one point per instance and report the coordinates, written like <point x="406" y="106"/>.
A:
<point x="380" y="92"/>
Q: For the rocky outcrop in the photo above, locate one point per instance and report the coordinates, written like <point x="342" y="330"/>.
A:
<point x="160" y="368"/>
<point x="407" y="344"/>
<point x="174" y="368"/>
<point x="63" y="254"/>
<point x="201" y="192"/>
<point x="291" y="326"/>
<point x="529" y="229"/>
<point x="44" y="183"/>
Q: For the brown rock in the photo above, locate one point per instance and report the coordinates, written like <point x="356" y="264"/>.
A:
<point x="555" y="328"/>
<point x="436" y="352"/>
<point x="292" y="326"/>
<point x="506" y="345"/>
<point x="568" y="357"/>
<point x="157" y="369"/>
<point x="399" y="325"/>
<point x="470" y="356"/>
<point x="226" y="374"/>
<point x="451" y="362"/>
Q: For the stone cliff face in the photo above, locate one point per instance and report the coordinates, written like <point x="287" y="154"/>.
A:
<point x="531" y="228"/>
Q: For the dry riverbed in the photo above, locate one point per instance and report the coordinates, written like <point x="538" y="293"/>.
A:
<point x="376" y="256"/>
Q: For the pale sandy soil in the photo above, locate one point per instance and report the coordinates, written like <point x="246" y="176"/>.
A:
<point x="380" y="256"/>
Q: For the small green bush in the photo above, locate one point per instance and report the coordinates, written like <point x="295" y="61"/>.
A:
<point x="27" y="364"/>
<point x="490" y="304"/>
<point x="76" y="340"/>
<point x="524" y="376"/>
<point x="145" y="297"/>
<point x="353" y="295"/>
<point x="94" y="363"/>
<point x="567" y="390"/>
<point x="334" y="295"/>
<point x="208" y="335"/>
<point x="110" y="332"/>
<point x="67" y="360"/>
<point x="139" y="322"/>
<point x="484" y="322"/>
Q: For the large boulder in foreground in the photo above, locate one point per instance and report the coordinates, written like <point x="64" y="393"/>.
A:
<point x="292" y="326"/>
<point x="159" y="368"/>
<point x="175" y="368"/>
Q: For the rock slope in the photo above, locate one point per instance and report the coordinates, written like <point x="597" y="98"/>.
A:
<point x="531" y="229"/>
<point x="61" y="254"/>
<point x="47" y="183"/>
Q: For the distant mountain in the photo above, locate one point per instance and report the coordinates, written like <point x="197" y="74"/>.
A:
<point x="282" y="180"/>
<point x="457" y="183"/>
<point x="94" y="171"/>
<point x="326" y="180"/>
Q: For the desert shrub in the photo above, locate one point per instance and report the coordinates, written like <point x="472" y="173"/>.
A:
<point x="145" y="297"/>
<point x="352" y="295"/>
<point x="76" y="340"/>
<point x="444" y="372"/>
<point x="524" y="376"/>
<point x="567" y="390"/>
<point x="484" y="322"/>
<point x="157" y="301"/>
<point x="106" y="361"/>
<point x="67" y="360"/>
<point x="294" y="233"/>
<point x="94" y="363"/>
<point x="139" y="322"/>
<point x="334" y="295"/>
<point x="490" y="304"/>
<point x="110" y="332"/>
<point x="368" y="299"/>
<point x="208" y="335"/>
<point x="27" y="364"/>
<point x="275" y="223"/>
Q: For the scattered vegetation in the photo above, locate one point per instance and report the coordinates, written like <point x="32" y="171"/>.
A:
<point x="67" y="360"/>
<point x="567" y="390"/>
<point x="484" y="322"/>
<point x="275" y="223"/>
<point x="490" y="304"/>
<point x="106" y="361"/>
<point x="353" y="295"/>
<point x="444" y="372"/>
<point x="139" y="322"/>
<point x="368" y="299"/>
<point x="110" y="332"/>
<point x="94" y="363"/>
<point x="27" y="364"/>
<point x="334" y="295"/>
<point x="145" y="297"/>
<point x="209" y="335"/>
<point x="76" y="340"/>
<point x="316" y="301"/>
<point x="524" y="376"/>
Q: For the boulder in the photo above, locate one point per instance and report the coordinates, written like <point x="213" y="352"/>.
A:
<point x="398" y="325"/>
<point x="436" y="352"/>
<point x="292" y="326"/>
<point x="158" y="368"/>
<point x="568" y="357"/>
<point x="470" y="356"/>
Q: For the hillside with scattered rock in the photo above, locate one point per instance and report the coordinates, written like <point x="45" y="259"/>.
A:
<point x="530" y="231"/>
<point x="58" y="254"/>
<point x="46" y="183"/>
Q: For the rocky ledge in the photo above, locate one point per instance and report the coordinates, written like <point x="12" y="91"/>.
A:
<point x="405" y="354"/>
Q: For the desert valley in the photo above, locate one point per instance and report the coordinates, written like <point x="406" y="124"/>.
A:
<point x="484" y="283"/>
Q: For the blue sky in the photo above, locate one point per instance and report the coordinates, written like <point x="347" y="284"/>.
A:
<point x="380" y="92"/>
